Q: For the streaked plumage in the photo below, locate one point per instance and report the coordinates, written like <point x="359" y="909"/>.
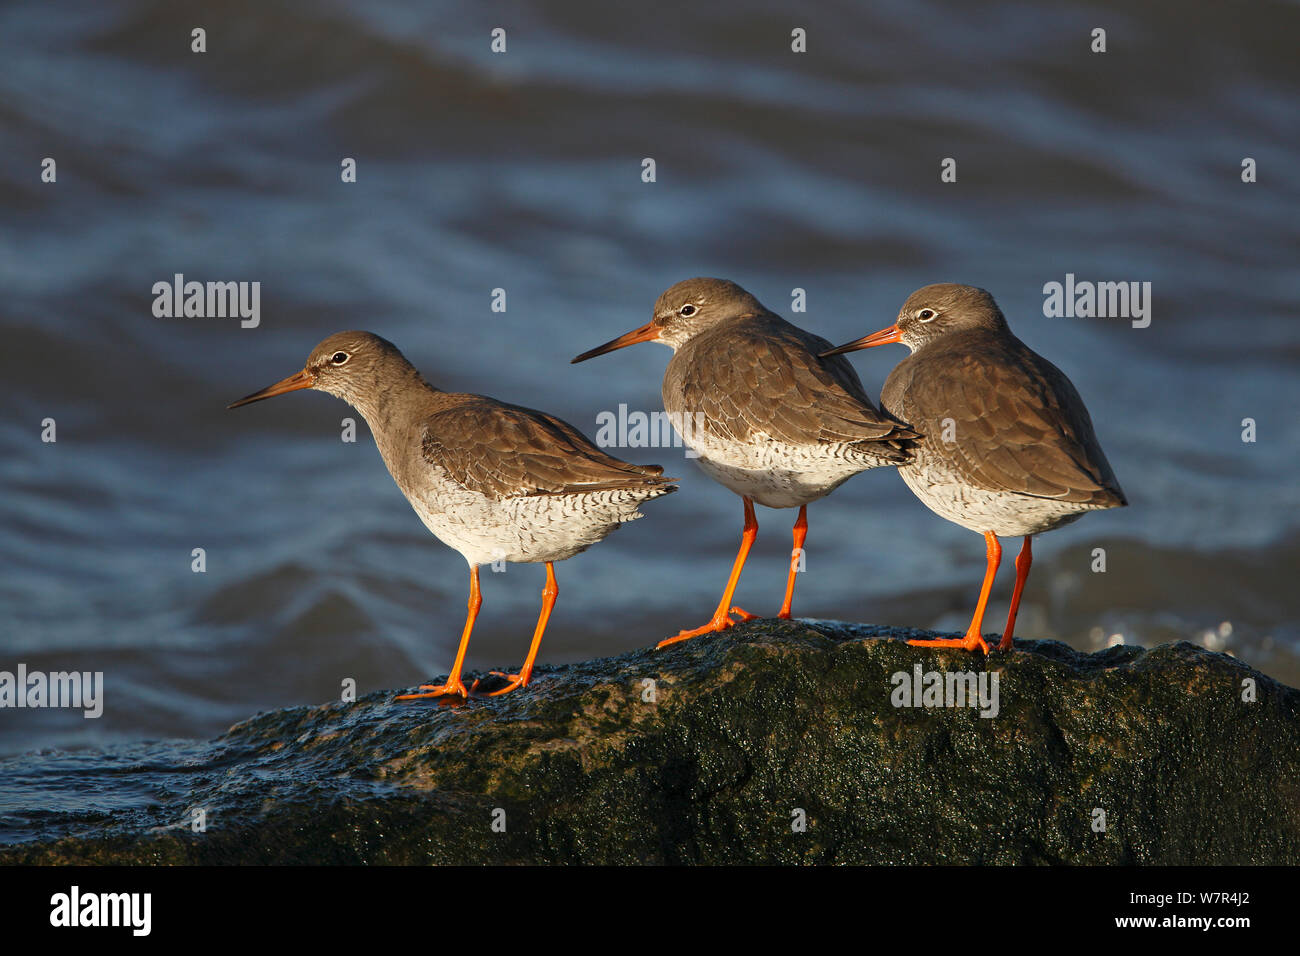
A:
<point x="494" y="481"/>
<point x="769" y="419"/>
<point x="1009" y="446"/>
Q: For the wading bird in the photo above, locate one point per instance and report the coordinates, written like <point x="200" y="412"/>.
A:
<point x="768" y="418"/>
<point x="496" y="482"/>
<point x="1009" y="447"/>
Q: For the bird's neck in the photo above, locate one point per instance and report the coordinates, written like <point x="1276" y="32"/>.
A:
<point x="390" y="397"/>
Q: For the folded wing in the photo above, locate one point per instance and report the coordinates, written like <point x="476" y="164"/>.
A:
<point x="506" y="451"/>
<point x="762" y="375"/>
<point x="1018" y="424"/>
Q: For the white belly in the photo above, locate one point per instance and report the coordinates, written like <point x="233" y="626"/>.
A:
<point x="527" y="529"/>
<point x="775" y="474"/>
<point x="1006" y="514"/>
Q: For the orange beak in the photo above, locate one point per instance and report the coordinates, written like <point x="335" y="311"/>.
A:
<point x="883" y="337"/>
<point x="647" y="333"/>
<point x="303" y="379"/>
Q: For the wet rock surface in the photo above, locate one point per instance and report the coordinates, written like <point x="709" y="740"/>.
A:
<point x="741" y="737"/>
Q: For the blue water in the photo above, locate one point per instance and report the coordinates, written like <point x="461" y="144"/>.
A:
<point x="522" y="171"/>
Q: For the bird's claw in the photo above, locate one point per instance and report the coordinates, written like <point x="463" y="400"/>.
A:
<point x="718" y="623"/>
<point x="516" y="681"/>
<point x="968" y="643"/>
<point x="454" y="688"/>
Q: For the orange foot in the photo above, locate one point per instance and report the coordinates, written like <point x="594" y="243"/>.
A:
<point x="450" y="689"/>
<point x="516" y="681"/>
<point x="744" y="615"/>
<point x="1006" y="643"/>
<point x="719" y="623"/>
<point x="967" y="643"/>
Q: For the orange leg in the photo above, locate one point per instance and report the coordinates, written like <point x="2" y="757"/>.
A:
<point x="521" y="679"/>
<point x="800" y="534"/>
<point x="455" y="686"/>
<point x="1023" y="561"/>
<point x="721" y="620"/>
<point x="974" y="638"/>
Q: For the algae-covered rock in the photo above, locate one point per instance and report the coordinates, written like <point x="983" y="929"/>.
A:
<point x="774" y="742"/>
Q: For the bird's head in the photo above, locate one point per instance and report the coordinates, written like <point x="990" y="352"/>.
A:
<point x="348" y="365"/>
<point x="683" y="312"/>
<point x="932" y="312"/>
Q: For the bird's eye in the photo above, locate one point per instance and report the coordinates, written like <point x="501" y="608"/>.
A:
<point x="687" y="310"/>
<point x="926" y="315"/>
<point x="338" y="358"/>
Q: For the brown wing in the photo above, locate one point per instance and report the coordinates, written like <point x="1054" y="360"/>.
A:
<point x="762" y="374"/>
<point x="1019" y="424"/>
<point x="505" y="451"/>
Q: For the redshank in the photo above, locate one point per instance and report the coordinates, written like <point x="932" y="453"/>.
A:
<point x="768" y="418"/>
<point x="496" y="482"/>
<point x="1009" y="446"/>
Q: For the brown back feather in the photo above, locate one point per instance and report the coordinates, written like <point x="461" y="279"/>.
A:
<point x="506" y="451"/>
<point x="1020" y="424"/>
<point x="759" y="373"/>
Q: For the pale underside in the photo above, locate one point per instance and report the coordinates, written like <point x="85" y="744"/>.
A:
<point x="526" y="528"/>
<point x="779" y="475"/>
<point x="950" y="495"/>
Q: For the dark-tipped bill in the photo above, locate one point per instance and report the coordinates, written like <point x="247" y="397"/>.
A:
<point x="291" y="384"/>
<point x="647" y="333"/>
<point x="883" y="337"/>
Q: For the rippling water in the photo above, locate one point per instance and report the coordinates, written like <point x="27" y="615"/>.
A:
<point x="522" y="171"/>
